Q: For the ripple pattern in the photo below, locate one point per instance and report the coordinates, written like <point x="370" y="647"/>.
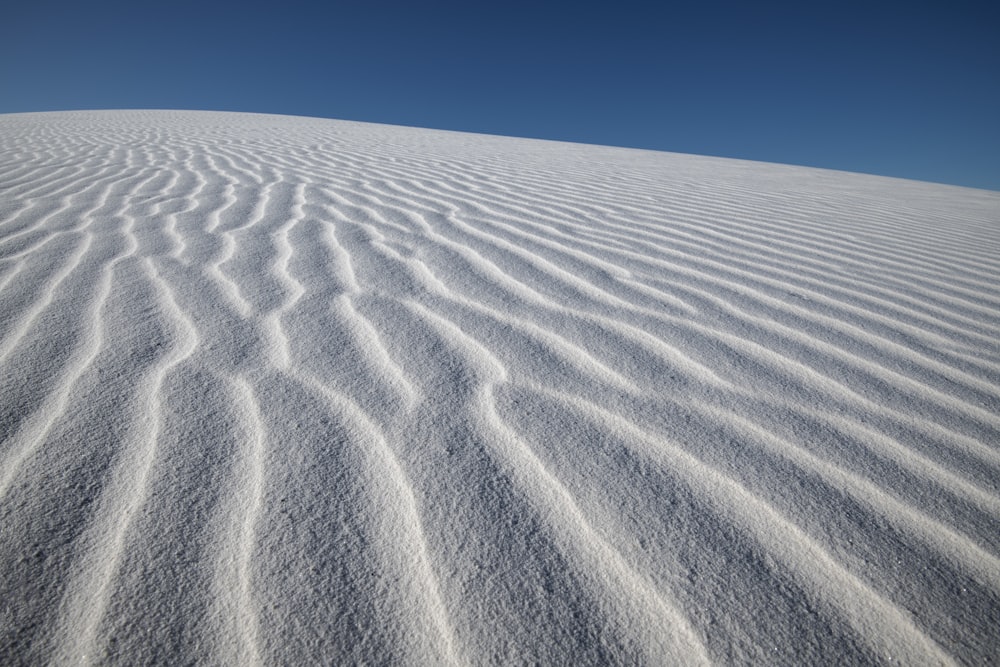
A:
<point x="280" y="390"/>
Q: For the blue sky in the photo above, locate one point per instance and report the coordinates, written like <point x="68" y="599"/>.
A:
<point x="898" y="89"/>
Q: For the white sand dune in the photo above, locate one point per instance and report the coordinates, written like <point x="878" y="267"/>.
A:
<point x="294" y="391"/>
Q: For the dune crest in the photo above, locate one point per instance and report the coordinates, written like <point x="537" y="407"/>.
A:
<point x="282" y="390"/>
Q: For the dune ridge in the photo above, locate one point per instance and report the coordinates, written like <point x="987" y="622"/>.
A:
<point x="283" y="390"/>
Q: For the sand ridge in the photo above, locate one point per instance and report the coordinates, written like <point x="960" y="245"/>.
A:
<point x="284" y="390"/>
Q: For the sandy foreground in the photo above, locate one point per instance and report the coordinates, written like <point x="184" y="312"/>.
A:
<point x="280" y="390"/>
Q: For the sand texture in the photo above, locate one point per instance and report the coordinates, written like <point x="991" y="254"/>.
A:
<point x="290" y="391"/>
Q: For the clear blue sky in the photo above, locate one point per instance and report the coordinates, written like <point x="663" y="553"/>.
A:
<point x="905" y="90"/>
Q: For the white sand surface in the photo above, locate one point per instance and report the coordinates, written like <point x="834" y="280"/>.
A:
<point x="290" y="391"/>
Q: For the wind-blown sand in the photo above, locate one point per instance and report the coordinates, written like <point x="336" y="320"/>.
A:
<point x="295" y="391"/>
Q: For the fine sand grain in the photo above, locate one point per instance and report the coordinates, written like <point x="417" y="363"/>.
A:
<point x="280" y="390"/>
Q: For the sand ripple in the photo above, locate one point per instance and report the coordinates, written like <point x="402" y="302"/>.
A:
<point x="281" y="390"/>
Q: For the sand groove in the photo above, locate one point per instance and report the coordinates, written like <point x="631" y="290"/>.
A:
<point x="281" y="390"/>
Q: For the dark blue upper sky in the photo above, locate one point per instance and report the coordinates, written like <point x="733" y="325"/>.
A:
<point x="907" y="90"/>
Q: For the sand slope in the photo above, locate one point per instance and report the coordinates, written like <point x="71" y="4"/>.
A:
<point x="291" y="391"/>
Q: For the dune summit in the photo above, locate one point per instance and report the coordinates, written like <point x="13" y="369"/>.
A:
<point x="283" y="390"/>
